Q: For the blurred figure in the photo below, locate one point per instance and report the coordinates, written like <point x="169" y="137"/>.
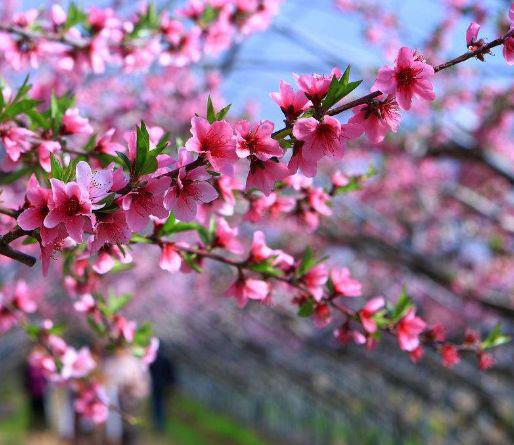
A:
<point x="35" y="384"/>
<point x="127" y="384"/>
<point x="162" y="371"/>
<point x="60" y="412"/>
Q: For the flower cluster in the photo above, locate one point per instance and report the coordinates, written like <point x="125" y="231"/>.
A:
<point x="97" y="197"/>
<point x="77" y="41"/>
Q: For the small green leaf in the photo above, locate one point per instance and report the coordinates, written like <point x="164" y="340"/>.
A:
<point x="306" y="309"/>
<point x="192" y="262"/>
<point x="495" y="338"/>
<point x="117" y="303"/>
<point x="211" y="114"/>
<point x="223" y="112"/>
<point x="142" y="148"/>
<point x="125" y="160"/>
<point x="32" y="331"/>
<point x="139" y="239"/>
<point x="403" y="304"/>
<point x="143" y="335"/>
<point x="56" y="168"/>
<point x="266" y="268"/>
<point x="307" y="263"/>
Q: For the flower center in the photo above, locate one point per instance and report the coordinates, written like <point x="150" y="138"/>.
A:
<point x="72" y="206"/>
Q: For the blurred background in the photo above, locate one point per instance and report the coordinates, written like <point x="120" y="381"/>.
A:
<point x="438" y="217"/>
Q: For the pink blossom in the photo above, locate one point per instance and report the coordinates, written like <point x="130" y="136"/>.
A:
<point x="298" y="162"/>
<point x="188" y="190"/>
<point x="315" y="280"/>
<point x="319" y="138"/>
<point x="345" y="335"/>
<point x="124" y="328"/>
<point x="71" y="206"/>
<point x="23" y="298"/>
<point x="292" y="103"/>
<point x="58" y="15"/>
<point x="260" y="251"/>
<point x="322" y="315"/>
<point x="344" y="284"/>
<point x="26" y="18"/>
<point x="150" y="352"/>
<point x="109" y="254"/>
<point x="368" y="311"/>
<point x="215" y="141"/>
<point x="105" y="143"/>
<point x="244" y="289"/>
<point x="377" y="118"/>
<point x="77" y="364"/>
<point x="450" y="355"/>
<point x="318" y="198"/>
<point x="110" y="228"/>
<point x="339" y="179"/>
<point x="255" y="140"/>
<point x="44" y="151"/>
<point x="91" y="403"/>
<point x="410" y="77"/>
<point x="7" y="317"/>
<point x="86" y="304"/>
<point x="98" y="183"/>
<point x="408" y="330"/>
<point x="472" y="34"/>
<point x="226" y="237"/>
<point x="145" y="201"/>
<point x="485" y="360"/>
<point x="315" y="86"/>
<point x="170" y="258"/>
<point x="16" y="140"/>
<point x="263" y="175"/>
<point x="74" y="124"/>
<point x="508" y="46"/>
<point x="32" y="218"/>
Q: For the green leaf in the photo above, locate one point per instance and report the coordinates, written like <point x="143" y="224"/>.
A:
<point x="339" y="88"/>
<point x="211" y="114"/>
<point x="223" y="112"/>
<point x="191" y="261"/>
<point x="21" y="107"/>
<point x="32" y="331"/>
<point x="98" y="328"/>
<point x="162" y="144"/>
<point x="306" y="309"/>
<point x="209" y="15"/>
<point x="495" y="338"/>
<point x="23" y="90"/>
<point x="143" y="335"/>
<point x="307" y="263"/>
<point x="125" y="160"/>
<point x="56" y="168"/>
<point x="116" y="303"/>
<point x="346" y="76"/>
<point x="75" y="16"/>
<point x="38" y="119"/>
<point x="142" y="148"/>
<point x="69" y="171"/>
<point x="403" y="304"/>
<point x="169" y="228"/>
<point x="139" y="239"/>
<point x="266" y="268"/>
<point x="170" y="222"/>
<point x="150" y="166"/>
